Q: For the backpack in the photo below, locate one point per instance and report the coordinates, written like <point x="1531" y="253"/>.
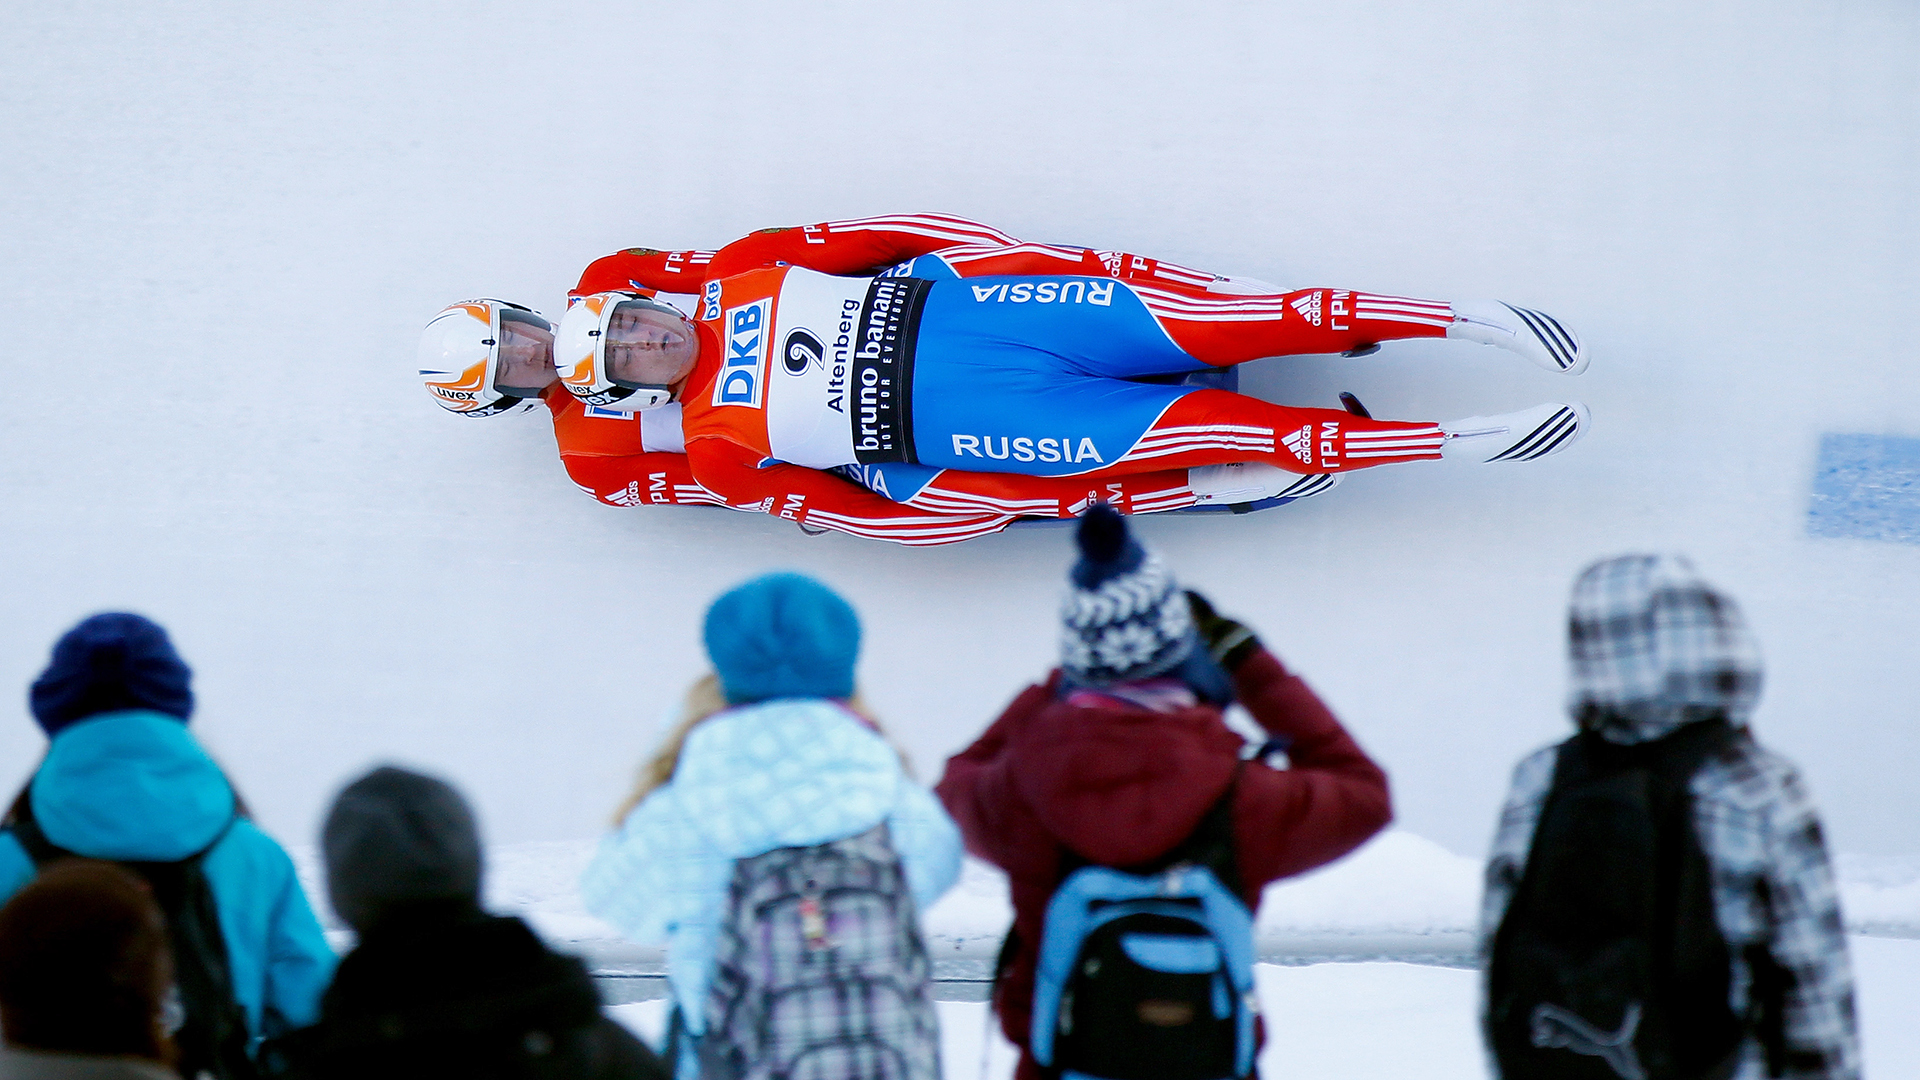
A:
<point x="820" y="971"/>
<point x="213" y="1040"/>
<point x="1147" y="973"/>
<point x="1609" y="963"/>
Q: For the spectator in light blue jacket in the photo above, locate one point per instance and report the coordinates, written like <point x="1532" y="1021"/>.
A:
<point x="774" y="753"/>
<point x="125" y="780"/>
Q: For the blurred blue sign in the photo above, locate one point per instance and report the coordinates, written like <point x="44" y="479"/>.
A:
<point x="1867" y="487"/>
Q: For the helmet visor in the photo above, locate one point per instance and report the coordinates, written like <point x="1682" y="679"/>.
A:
<point x="647" y="344"/>
<point x="525" y="349"/>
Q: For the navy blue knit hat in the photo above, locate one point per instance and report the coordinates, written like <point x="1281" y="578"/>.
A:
<point x="110" y="662"/>
<point x="783" y="635"/>
<point x="1125" y="619"/>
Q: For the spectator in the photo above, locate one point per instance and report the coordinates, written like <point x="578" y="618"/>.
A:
<point x="85" y="978"/>
<point x="436" y="986"/>
<point x="123" y="779"/>
<point x="1121" y="759"/>
<point x="1658" y="900"/>
<point x="775" y="825"/>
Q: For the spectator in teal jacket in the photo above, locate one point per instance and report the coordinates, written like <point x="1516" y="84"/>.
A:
<point x="124" y="779"/>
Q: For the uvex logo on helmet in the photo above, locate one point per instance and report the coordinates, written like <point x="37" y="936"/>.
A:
<point x="459" y="356"/>
<point x="459" y="392"/>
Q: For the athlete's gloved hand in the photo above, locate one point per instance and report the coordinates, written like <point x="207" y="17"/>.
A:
<point x="1229" y="641"/>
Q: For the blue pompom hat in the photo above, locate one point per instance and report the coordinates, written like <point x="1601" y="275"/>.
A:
<point x="782" y="635"/>
<point x="110" y="662"/>
<point x="1125" y="619"/>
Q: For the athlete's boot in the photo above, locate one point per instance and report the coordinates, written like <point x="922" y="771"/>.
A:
<point x="1247" y="482"/>
<point x="1535" y="335"/>
<point x="1520" y="436"/>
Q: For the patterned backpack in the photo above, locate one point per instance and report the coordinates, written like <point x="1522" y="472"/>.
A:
<point x="820" y="971"/>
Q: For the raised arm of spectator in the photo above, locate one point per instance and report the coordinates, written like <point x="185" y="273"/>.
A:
<point x="978" y="785"/>
<point x="1329" y="799"/>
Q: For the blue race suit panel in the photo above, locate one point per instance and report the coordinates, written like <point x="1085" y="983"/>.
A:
<point x="1031" y="375"/>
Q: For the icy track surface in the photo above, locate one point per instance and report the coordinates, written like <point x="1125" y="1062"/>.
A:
<point x="223" y="229"/>
<point x="223" y="234"/>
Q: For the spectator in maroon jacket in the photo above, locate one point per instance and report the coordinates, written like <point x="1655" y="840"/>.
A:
<point x="1121" y="752"/>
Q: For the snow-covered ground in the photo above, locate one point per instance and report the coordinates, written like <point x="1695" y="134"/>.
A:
<point x="1383" y="1021"/>
<point x="223" y="227"/>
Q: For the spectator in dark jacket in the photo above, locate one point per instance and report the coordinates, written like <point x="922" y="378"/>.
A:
<point x="84" y="978"/>
<point x="437" y="987"/>
<point x="1122" y="751"/>
<point x="1658" y="654"/>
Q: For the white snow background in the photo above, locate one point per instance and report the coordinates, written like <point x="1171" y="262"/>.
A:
<point x="223" y="226"/>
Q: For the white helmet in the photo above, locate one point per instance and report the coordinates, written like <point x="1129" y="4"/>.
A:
<point x="580" y="351"/>
<point x="460" y="355"/>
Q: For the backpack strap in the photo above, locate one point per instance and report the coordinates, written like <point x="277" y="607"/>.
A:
<point x="26" y="830"/>
<point x="1671" y="759"/>
<point x="1211" y="844"/>
<point x="216" y="1038"/>
<point x="1674" y="756"/>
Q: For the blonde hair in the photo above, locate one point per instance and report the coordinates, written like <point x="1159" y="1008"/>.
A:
<point x="704" y="699"/>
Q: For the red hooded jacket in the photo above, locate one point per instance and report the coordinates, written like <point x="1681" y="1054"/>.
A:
<point x="1121" y="785"/>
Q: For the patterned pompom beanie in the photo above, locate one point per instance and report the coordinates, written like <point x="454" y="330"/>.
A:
<point x="1124" y="618"/>
<point x="1652" y="647"/>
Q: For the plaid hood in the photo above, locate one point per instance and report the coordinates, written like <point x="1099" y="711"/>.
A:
<point x="1653" y="647"/>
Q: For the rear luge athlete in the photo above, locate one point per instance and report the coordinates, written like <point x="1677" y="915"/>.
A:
<point x="903" y="352"/>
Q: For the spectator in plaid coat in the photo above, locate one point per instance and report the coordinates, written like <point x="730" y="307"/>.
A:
<point x="1653" y="649"/>
<point x="774" y="751"/>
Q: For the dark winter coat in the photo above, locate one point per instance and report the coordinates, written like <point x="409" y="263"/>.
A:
<point x="448" y="991"/>
<point x="1120" y="785"/>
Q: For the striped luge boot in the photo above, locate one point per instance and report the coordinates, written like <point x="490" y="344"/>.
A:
<point x="1519" y="436"/>
<point x="1535" y="335"/>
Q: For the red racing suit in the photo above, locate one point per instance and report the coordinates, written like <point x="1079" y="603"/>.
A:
<point x="639" y="459"/>
<point x="759" y="458"/>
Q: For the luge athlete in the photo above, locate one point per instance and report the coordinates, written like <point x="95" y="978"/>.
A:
<point x="914" y="348"/>
<point x="488" y="357"/>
